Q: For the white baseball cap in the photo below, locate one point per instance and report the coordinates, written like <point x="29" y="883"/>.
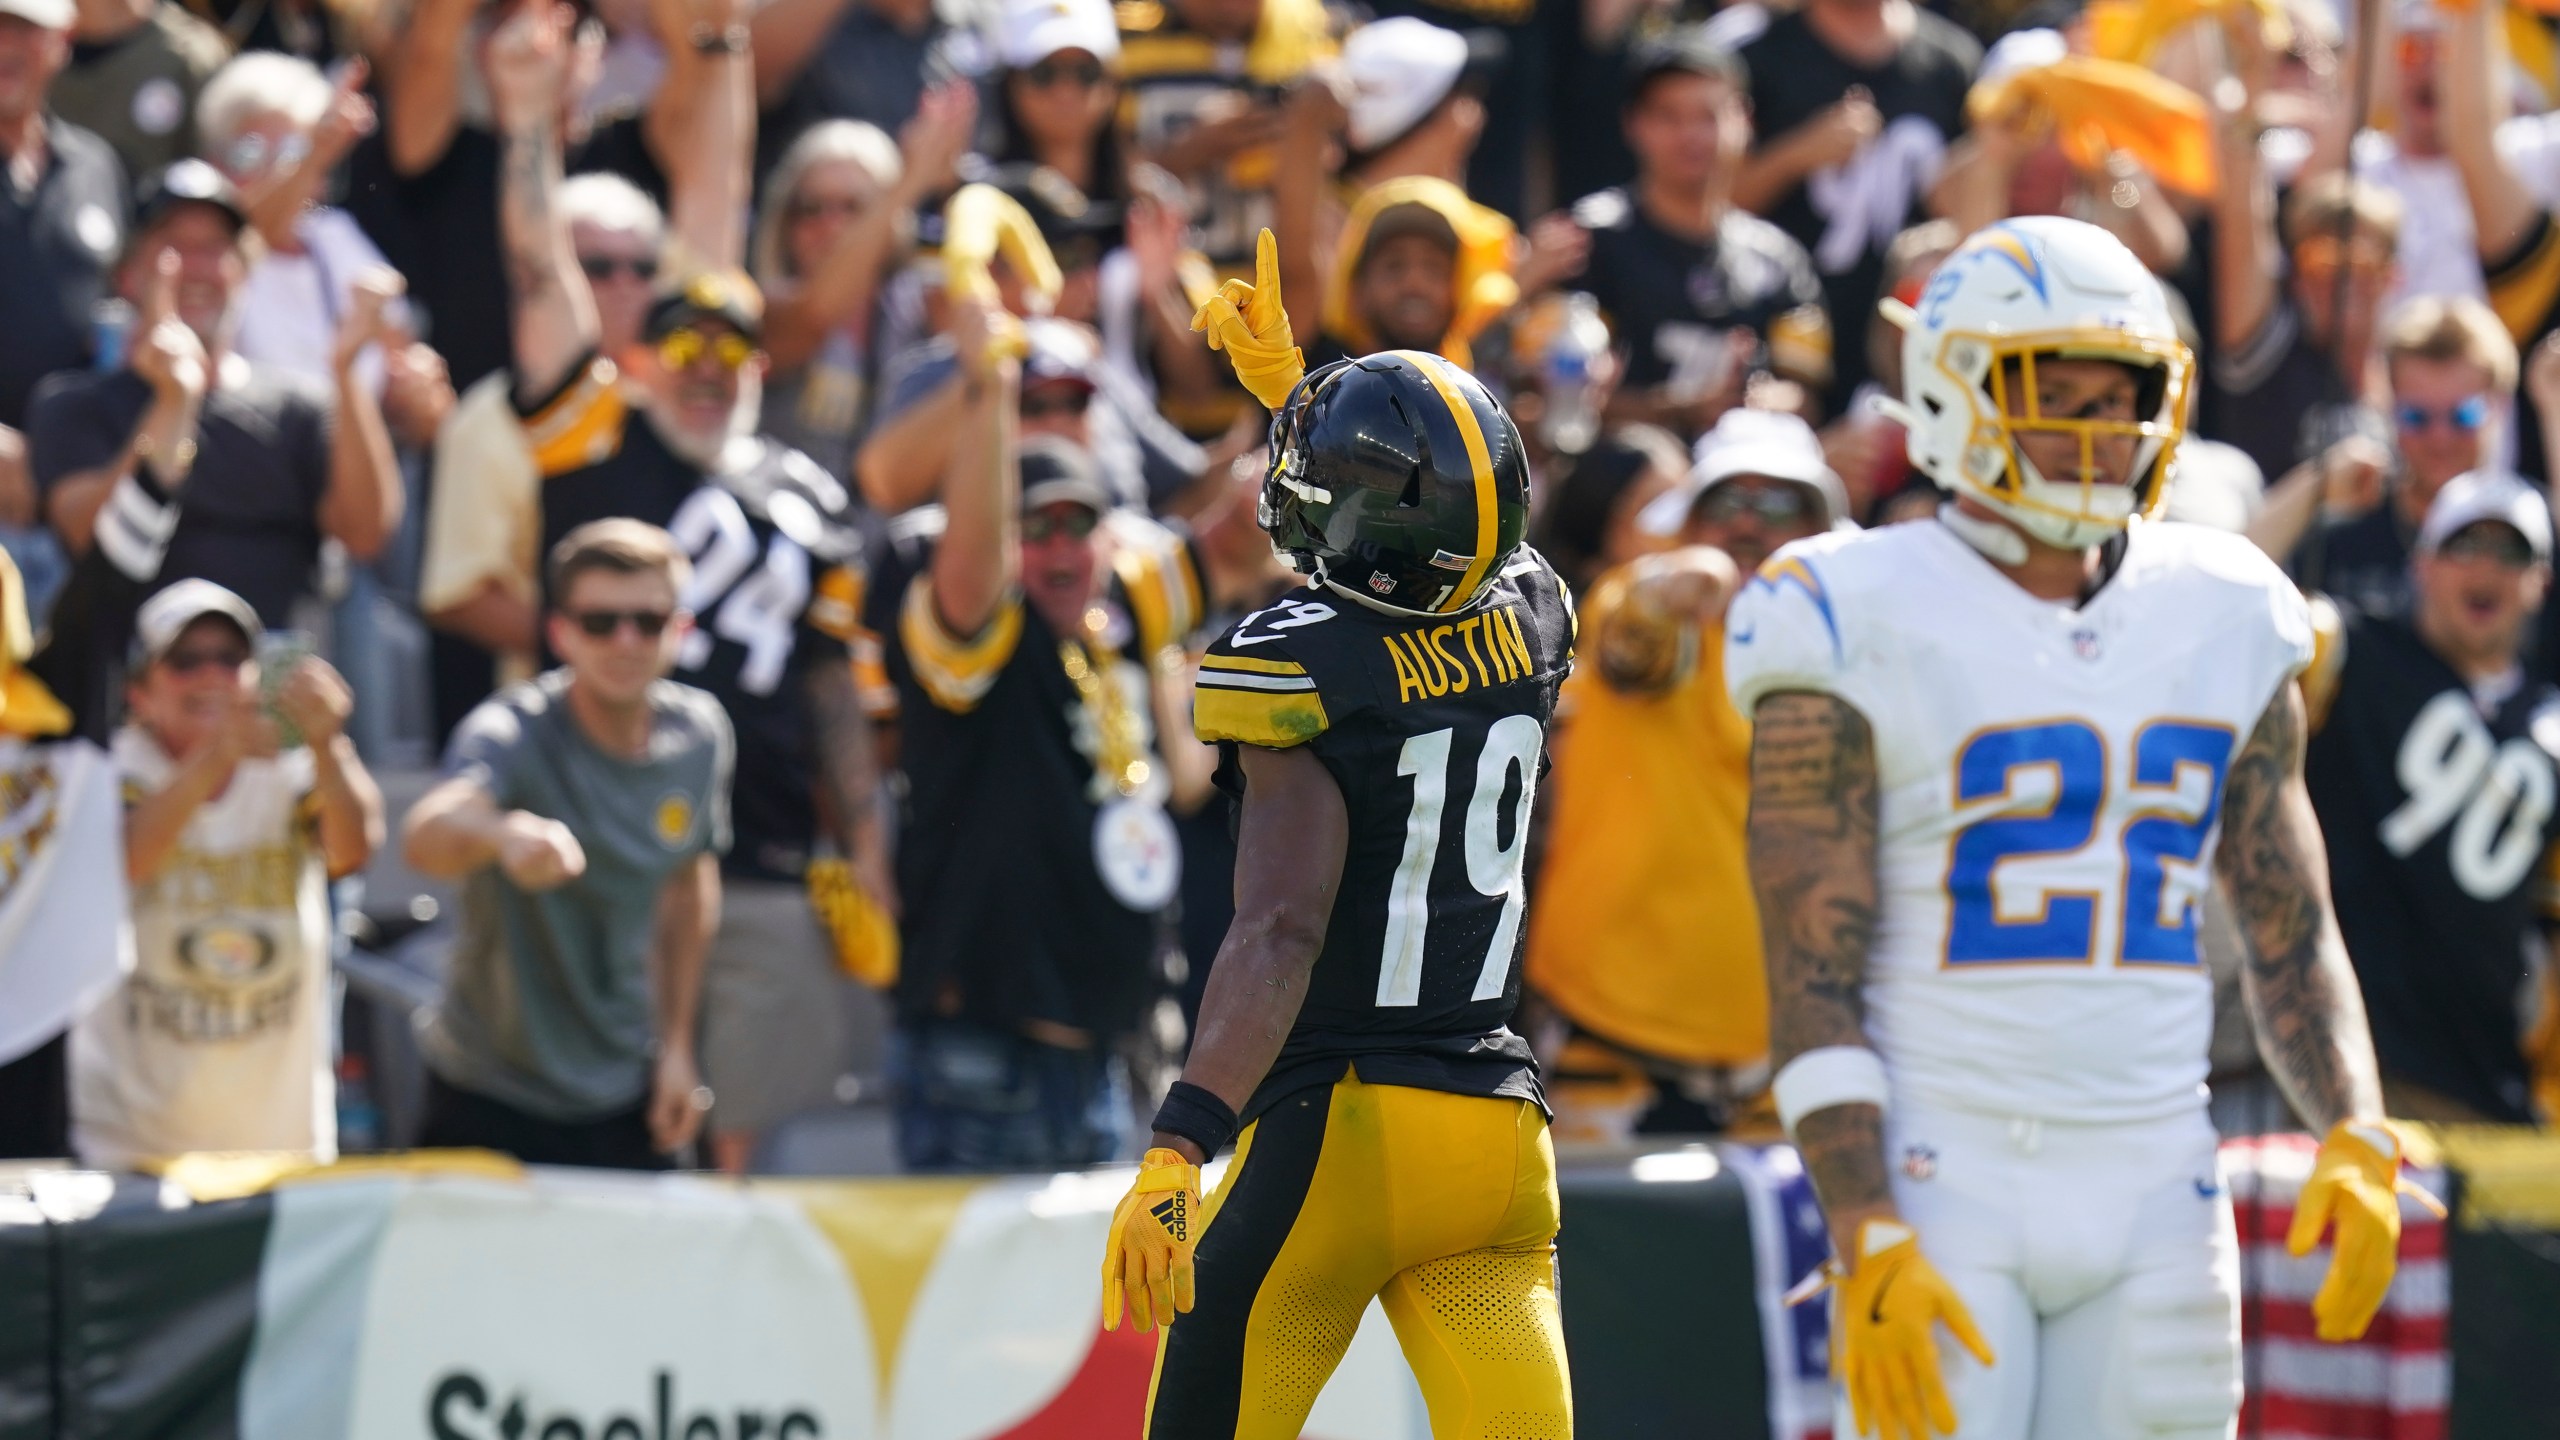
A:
<point x="165" y="616"/>
<point x="45" y="14"/>
<point x="1394" y="72"/>
<point x="1750" y="442"/>
<point x="1030" y="31"/>
<point x="2474" y="496"/>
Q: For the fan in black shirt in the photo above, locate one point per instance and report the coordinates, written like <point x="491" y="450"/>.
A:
<point x="1699" y="292"/>
<point x="1856" y="102"/>
<point x="2436" y="773"/>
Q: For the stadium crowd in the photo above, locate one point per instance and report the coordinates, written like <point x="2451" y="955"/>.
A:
<point x="765" y="451"/>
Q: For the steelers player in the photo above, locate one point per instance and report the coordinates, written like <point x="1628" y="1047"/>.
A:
<point x="1384" y="727"/>
<point x="1995" y="757"/>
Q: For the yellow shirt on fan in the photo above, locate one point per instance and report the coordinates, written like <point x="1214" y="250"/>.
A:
<point x="1643" y="930"/>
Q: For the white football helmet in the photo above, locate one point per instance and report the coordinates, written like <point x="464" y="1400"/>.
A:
<point x="2039" y="287"/>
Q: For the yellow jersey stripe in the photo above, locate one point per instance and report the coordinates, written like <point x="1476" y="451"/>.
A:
<point x="2524" y="285"/>
<point x="957" y="673"/>
<point x="1252" y="665"/>
<point x="1257" y="717"/>
<point x="582" y="427"/>
<point x="1479" y="460"/>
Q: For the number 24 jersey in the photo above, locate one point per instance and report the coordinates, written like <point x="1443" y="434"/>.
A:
<point x="2050" y="782"/>
<point x="1434" y="727"/>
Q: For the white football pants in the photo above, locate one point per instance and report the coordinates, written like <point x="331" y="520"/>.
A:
<point x="2099" y="1262"/>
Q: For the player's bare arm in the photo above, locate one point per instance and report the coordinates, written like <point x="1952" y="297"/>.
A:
<point x="1812" y="836"/>
<point x="2299" y="986"/>
<point x="1289" y="850"/>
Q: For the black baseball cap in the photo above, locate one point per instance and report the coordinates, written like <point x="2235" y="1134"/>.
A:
<point x="1683" y="51"/>
<point x="1055" y="471"/>
<point x="187" y="182"/>
<point x="724" y="295"/>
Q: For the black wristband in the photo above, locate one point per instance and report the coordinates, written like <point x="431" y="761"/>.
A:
<point x="1196" y="1116"/>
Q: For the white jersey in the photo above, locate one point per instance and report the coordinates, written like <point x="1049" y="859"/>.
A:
<point x="2051" y="783"/>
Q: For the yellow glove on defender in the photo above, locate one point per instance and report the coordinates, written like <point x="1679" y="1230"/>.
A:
<point x="1885" y="1309"/>
<point x="1250" y="324"/>
<point x="2355" y="1181"/>
<point x="1148" y="1254"/>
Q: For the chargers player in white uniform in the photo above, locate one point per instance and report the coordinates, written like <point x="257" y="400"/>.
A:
<point x="1995" y="758"/>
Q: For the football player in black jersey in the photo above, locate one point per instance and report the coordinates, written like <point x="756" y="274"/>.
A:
<point x="2434" y="773"/>
<point x="1384" y="726"/>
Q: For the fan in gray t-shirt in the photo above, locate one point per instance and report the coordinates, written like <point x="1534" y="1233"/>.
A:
<point x="547" y="1007"/>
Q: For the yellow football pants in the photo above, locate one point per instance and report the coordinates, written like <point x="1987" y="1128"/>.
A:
<point x="1442" y="1207"/>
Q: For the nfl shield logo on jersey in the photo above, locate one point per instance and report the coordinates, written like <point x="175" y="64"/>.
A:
<point x="1920" y="1162"/>
<point x="2084" y="643"/>
<point x="1382" y="582"/>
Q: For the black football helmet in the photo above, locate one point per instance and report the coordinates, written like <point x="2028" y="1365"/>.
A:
<point x="1397" y="480"/>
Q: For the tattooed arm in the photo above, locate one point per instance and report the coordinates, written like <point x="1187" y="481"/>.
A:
<point x="1814" y="799"/>
<point x="554" y="312"/>
<point x="2299" y="987"/>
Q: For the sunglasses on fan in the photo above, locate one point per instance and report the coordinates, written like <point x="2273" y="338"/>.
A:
<point x="602" y="624"/>
<point x="683" y="345"/>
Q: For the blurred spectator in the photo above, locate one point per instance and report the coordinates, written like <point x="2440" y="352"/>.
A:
<point x="1419" y="267"/>
<point x="242" y="803"/>
<point x="2297" y="307"/>
<point x="775" y="588"/>
<point x="583" y="812"/>
<point x="62" y="225"/>
<point x="1042" y="739"/>
<point x="2405" y="154"/>
<point x="275" y="465"/>
<point x="1589" y="524"/>
<point x="278" y="129"/>
<point x="2512" y="223"/>
<point x="2015" y="161"/>
<point x="313" y="30"/>
<point x="1701" y="294"/>
<point x="2434" y="789"/>
<point x="1867" y="448"/>
<point x="1055" y="92"/>
<point x="63" y="906"/>
<point x="867" y="60"/>
<point x="2343" y="529"/>
<point x="480" y="578"/>
<point x="1504" y="55"/>
<point x="838" y="211"/>
<point x="1203" y="83"/>
<point x="1643" y="946"/>
<point x="426" y="187"/>
<point x="136" y="68"/>
<point x="1854" y="102"/>
<point x="1560" y="369"/>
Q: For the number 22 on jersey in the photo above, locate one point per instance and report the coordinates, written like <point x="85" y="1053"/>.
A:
<point x="2152" y="838"/>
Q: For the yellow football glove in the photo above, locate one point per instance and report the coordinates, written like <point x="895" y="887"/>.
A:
<point x="866" y="939"/>
<point x="1251" y="325"/>
<point x="2356" y="1182"/>
<point x="981" y="222"/>
<point x="1148" y="1255"/>
<point x="1885" y="1307"/>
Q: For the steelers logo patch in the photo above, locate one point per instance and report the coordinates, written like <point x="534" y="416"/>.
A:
<point x="226" y="954"/>
<point x="675" y="819"/>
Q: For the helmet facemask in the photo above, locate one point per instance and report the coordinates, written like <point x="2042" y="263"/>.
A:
<point x="2074" y="509"/>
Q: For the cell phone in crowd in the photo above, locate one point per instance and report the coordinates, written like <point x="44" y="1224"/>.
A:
<point x="279" y="651"/>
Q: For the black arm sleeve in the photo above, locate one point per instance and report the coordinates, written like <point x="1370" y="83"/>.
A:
<point x="81" y="657"/>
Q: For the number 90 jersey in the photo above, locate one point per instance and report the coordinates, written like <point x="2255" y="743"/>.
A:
<point x="2050" y="783"/>
<point x="1435" y="729"/>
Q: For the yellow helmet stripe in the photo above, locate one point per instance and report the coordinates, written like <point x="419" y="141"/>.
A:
<point x="1480" y="460"/>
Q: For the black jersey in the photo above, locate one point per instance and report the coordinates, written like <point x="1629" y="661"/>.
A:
<point x="1846" y="215"/>
<point x="1436" y="731"/>
<point x="777" y="590"/>
<point x="2438" y="814"/>
<point x="1673" y="302"/>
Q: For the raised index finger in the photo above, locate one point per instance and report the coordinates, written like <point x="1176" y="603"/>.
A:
<point x="1265" y="309"/>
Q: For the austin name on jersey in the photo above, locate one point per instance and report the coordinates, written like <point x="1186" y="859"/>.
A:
<point x="2051" y="782"/>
